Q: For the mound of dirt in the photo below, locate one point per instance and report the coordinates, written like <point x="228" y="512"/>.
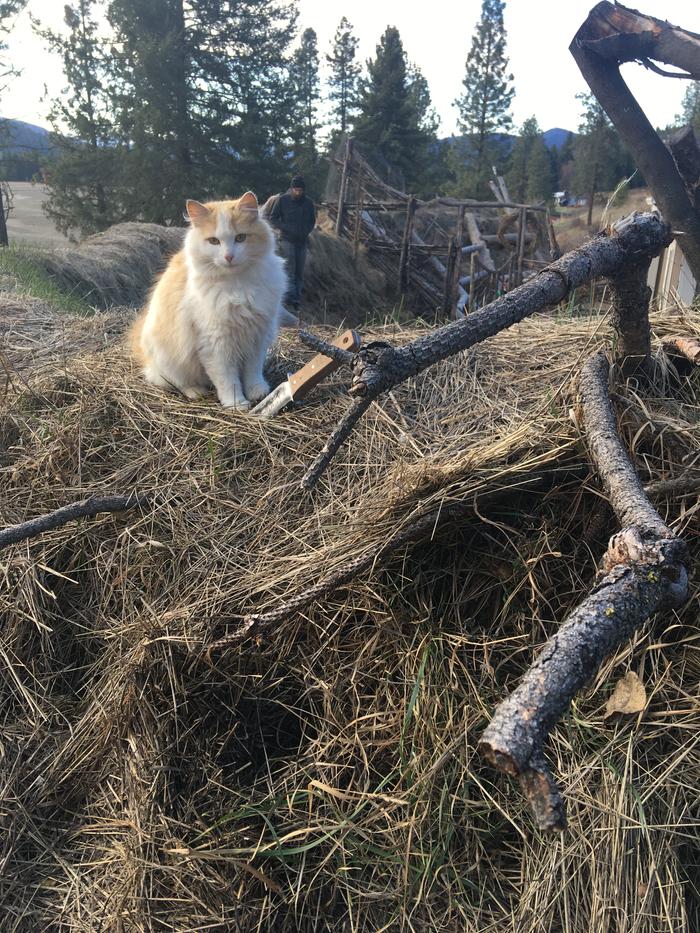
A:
<point x="325" y="777"/>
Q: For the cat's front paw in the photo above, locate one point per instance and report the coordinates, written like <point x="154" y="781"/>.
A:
<point x="257" y="391"/>
<point x="195" y="392"/>
<point x="241" y="404"/>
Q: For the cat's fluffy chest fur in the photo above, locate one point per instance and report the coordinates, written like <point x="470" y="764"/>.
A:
<point x="215" y="311"/>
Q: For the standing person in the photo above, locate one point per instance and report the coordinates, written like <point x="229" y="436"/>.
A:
<point x="294" y="215"/>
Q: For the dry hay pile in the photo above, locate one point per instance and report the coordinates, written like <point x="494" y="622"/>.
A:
<point x="336" y="287"/>
<point x="116" y="267"/>
<point x="35" y="335"/>
<point x="325" y="777"/>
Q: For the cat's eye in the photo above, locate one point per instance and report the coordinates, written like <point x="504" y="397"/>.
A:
<point x="240" y="237"/>
<point x="213" y="240"/>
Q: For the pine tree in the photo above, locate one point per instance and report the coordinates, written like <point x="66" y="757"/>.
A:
<point x="204" y="98"/>
<point x="485" y="102"/>
<point x="517" y="177"/>
<point x="9" y="9"/>
<point x="600" y="159"/>
<point x="540" y="173"/>
<point x="83" y="176"/>
<point x="691" y="106"/>
<point x="344" y="76"/>
<point x="305" y="78"/>
<point x="395" y="118"/>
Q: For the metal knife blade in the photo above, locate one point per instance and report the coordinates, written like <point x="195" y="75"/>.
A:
<point x="273" y="402"/>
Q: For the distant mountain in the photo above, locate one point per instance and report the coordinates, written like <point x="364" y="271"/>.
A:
<point x="556" y="137"/>
<point x="22" y="147"/>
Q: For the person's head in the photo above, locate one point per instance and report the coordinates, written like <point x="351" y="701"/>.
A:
<point x="297" y="187"/>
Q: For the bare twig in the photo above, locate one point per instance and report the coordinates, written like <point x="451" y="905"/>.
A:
<point x="643" y="572"/>
<point x="85" y="508"/>
<point x="322" y="346"/>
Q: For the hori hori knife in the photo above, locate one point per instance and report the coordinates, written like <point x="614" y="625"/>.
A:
<point x="300" y="383"/>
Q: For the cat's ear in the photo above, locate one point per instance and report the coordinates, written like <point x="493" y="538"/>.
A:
<point x="248" y="202"/>
<point x="197" y="212"/>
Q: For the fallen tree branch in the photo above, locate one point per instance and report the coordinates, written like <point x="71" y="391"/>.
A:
<point x="378" y="367"/>
<point x="625" y="35"/>
<point x="85" y="508"/>
<point x="256" y="624"/>
<point x="686" y="154"/>
<point x="682" y="485"/>
<point x="643" y="572"/>
<point x="630" y="317"/>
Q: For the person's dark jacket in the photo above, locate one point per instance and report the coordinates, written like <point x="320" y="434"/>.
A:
<point x="294" y="219"/>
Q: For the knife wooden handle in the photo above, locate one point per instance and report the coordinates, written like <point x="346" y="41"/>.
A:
<point x="320" y="366"/>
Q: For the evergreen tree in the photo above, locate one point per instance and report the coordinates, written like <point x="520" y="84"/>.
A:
<point x="305" y="78"/>
<point x="8" y="9"/>
<point x="485" y="103"/>
<point x="540" y="173"/>
<point x="691" y="106"/>
<point x="345" y="72"/>
<point x="517" y="177"/>
<point x="395" y="116"/>
<point x="83" y="178"/>
<point x="563" y="163"/>
<point x="600" y="160"/>
<point x="204" y="98"/>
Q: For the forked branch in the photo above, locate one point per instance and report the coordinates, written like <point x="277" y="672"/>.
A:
<point x="378" y="367"/>
<point x="643" y="572"/>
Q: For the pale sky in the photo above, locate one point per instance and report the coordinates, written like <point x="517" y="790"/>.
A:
<point x="437" y="39"/>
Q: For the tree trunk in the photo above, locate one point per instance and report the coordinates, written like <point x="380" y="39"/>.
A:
<point x="591" y="196"/>
<point x="4" y="239"/>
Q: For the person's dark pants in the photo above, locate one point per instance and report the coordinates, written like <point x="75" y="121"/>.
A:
<point x="294" y="255"/>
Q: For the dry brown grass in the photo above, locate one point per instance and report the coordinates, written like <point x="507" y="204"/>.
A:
<point x="116" y="268"/>
<point x="326" y="778"/>
<point x="571" y="228"/>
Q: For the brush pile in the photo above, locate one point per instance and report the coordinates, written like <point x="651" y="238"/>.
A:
<point x="324" y="777"/>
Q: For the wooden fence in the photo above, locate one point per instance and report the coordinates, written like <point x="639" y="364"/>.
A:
<point x="441" y="250"/>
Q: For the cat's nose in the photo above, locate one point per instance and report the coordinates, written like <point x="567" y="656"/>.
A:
<point x="228" y="257"/>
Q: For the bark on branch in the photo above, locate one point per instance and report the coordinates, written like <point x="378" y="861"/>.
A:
<point x="85" y="508"/>
<point x="624" y="35"/>
<point x="643" y="572"/>
<point x="656" y="163"/>
<point x="378" y="367"/>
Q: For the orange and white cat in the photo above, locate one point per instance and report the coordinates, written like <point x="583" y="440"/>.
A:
<point x="216" y="309"/>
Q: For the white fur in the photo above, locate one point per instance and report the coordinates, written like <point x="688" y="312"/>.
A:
<point x="227" y="317"/>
